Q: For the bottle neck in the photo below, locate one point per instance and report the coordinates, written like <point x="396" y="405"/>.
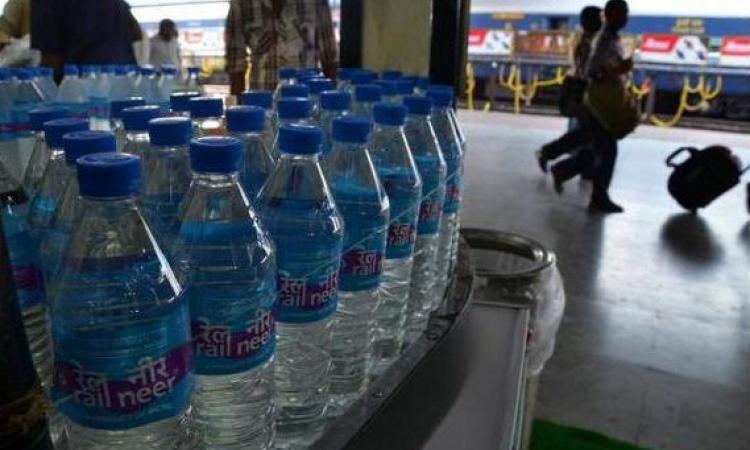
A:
<point x="215" y="180"/>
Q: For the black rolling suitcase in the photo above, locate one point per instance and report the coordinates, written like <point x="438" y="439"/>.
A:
<point x="704" y="176"/>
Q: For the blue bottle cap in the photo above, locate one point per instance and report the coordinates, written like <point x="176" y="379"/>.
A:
<point x="45" y="71"/>
<point x="295" y="90"/>
<point x="364" y="77"/>
<point x="215" y="154"/>
<point x="354" y="130"/>
<point x="294" y="108"/>
<point x="55" y="129"/>
<point x="203" y="107"/>
<point x="368" y="93"/>
<point x="147" y="70"/>
<point x="5" y="74"/>
<point x="38" y="116"/>
<point x="418" y="105"/>
<point x="170" y="131"/>
<point x="405" y="87"/>
<point x="389" y="87"/>
<point x="423" y="82"/>
<point x="136" y="118"/>
<point x="192" y="70"/>
<point x="261" y="97"/>
<point x="391" y="74"/>
<point x="442" y="95"/>
<point x="300" y="139"/>
<point x="80" y="143"/>
<point x="107" y="68"/>
<point x="389" y="114"/>
<point x="116" y="107"/>
<point x="345" y="73"/>
<point x="180" y="101"/>
<point x="70" y="70"/>
<point x="109" y="175"/>
<point x="246" y="118"/>
<point x="318" y="85"/>
<point x="121" y="70"/>
<point x="335" y="100"/>
<point x="169" y="69"/>
<point x="287" y="73"/>
<point x="308" y="72"/>
<point x="24" y="74"/>
<point x="87" y="69"/>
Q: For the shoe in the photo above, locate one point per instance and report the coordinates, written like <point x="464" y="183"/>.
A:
<point x="558" y="180"/>
<point x="542" y="160"/>
<point x="605" y="205"/>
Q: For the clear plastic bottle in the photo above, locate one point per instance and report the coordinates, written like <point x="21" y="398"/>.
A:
<point x="121" y="87"/>
<point x="318" y="86"/>
<point x="44" y="79"/>
<point x="344" y="77"/>
<point x="248" y="124"/>
<point x="97" y="98"/>
<point x="27" y="96"/>
<point x="333" y="104"/>
<point x="431" y="164"/>
<point x="297" y="208"/>
<point x="363" y="204"/>
<point x="8" y="146"/>
<point x="179" y="103"/>
<point x="263" y="99"/>
<point x="148" y="85"/>
<point x="365" y="97"/>
<point x="207" y="113"/>
<point x="404" y="87"/>
<point x="422" y="83"/>
<point x="450" y="145"/>
<point x="41" y="154"/>
<point x="45" y="202"/>
<point x="225" y="262"/>
<point x="400" y="178"/>
<point x="390" y="91"/>
<point x="115" y="116"/>
<point x="166" y="176"/>
<point x="166" y="86"/>
<point x="192" y="82"/>
<point x="294" y="90"/>
<point x="72" y="93"/>
<point x="123" y="359"/>
<point x="287" y="77"/>
<point x="135" y="121"/>
<point x="52" y="246"/>
<point x="362" y="76"/>
<point x="291" y="111"/>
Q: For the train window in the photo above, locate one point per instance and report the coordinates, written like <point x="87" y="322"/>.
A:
<point x="557" y="23"/>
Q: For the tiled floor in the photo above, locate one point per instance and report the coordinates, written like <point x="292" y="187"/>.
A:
<point x="654" y="348"/>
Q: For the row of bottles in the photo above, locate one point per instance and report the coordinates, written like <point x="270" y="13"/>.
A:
<point x="234" y="290"/>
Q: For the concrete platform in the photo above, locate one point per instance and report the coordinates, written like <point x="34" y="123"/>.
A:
<point x="654" y="348"/>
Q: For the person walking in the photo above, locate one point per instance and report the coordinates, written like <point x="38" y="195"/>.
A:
<point x="165" y="48"/>
<point x="279" y="33"/>
<point x="578" y="138"/>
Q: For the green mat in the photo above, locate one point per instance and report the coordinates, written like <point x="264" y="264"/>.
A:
<point x="550" y="436"/>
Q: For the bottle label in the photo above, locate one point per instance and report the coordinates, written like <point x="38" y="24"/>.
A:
<point x="126" y="368"/>
<point x="307" y="287"/>
<point x="429" y="212"/>
<point x="27" y="276"/>
<point x="402" y="230"/>
<point x="21" y="122"/>
<point x="362" y="263"/>
<point x="453" y="182"/>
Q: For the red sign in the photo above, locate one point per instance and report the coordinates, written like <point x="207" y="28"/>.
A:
<point x="659" y="43"/>
<point x="735" y="46"/>
<point x="477" y="37"/>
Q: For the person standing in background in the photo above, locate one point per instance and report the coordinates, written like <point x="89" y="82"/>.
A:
<point x="83" y="32"/>
<point x="15" y="22"/>
<point x="165" y="47"/>
<point x="279" y="33"/>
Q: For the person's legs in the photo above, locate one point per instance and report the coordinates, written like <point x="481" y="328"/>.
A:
<point x="564" y="144"/>
<point x="605" y="153"/>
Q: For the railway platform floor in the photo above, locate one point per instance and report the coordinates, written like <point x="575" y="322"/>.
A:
<point x="654" y="348"/>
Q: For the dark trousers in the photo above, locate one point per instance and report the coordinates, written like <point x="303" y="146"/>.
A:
<point x="568" y="142"/>
<point x="577" y="143"/>
<point x="605" y="156"/>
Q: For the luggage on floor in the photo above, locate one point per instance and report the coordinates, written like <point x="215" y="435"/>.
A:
<point x="703" y="176"/>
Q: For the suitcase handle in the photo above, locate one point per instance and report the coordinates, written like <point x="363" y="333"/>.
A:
<point x="670" y="160"/>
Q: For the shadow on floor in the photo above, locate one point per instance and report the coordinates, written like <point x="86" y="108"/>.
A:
<point x="689" y="238"/>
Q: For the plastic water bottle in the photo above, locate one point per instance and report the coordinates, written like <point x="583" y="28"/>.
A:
<point x="391" y="75"/>
<point x="89" y="80"/>
<point x="362" y="76"/>
<point x="167" y="85"/>
<point x="263" y="99"/>
<point x="166" y="177"/>
<point x="390" y="91"/>
<point x="44" y="79"/>
<point x="362" y="202"/>
<point x="123" y="359"/>
<point x="307" y="73"/>
<point x="45" y="202"/>
<point x="291" y="111"/>
<point x="27" y="97"/>
<point x="8" y="147"/>
<point x="404" y="87"/>
<point x="450" y="145"/>
<point x="41" y="154"/>
<point x="207" y="113"/>
<point x="344" y="77"/>
<point x="192" y="83"/>
<point x="179" y="103"/>
<point x="99" y="89"/>
<point x="297" y="208"/>
<point x="318" y="86"/>
<point x="225" y="262"/>
<point x="294" y="90"/>
<point x="148" y="85"/>
<point x="421" y="85"/>
<point x="248" y="123"/>
<point x="400" y="178"/>
<point x="121" y="87"/>
<point x="287" y="77"/>
<point x="135" y="121"/>
<point x="333" y="104"/>
<point x="115" y="117"/>
<point x="431" y="164"/>
<point x="55" y="240"/>
<point x="365" y="97"/>
<point x="72" y="93"/>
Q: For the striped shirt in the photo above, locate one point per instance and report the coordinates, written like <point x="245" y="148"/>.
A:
<point x="278" y="33"/>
